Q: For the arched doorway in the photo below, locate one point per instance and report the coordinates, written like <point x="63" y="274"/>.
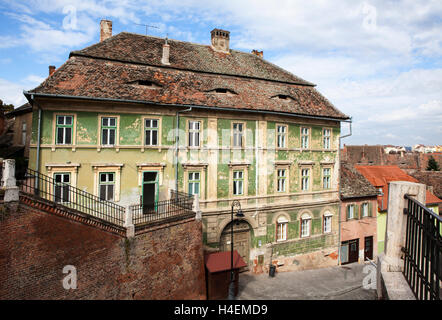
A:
<point x="241" y="239"/>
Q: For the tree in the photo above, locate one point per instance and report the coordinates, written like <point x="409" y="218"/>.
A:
<point x="5" y="107"/>
<point x="433" y="165"/>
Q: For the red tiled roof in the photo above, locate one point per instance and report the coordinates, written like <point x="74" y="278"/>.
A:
<point x="220" y="261"/>
<point x="111" y="68"/>
<point x="354" y="184"/>
<point x="381" y="176"/>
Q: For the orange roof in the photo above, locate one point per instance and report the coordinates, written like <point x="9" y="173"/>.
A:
<point x="220" y="261"/>
<point x="381" y="176"/>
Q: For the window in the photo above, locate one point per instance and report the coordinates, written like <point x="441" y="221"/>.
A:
<point x="194" y="183"/>
<point x="365" y="212"/>
<point x="282" y="176"/>
<point x="305" y="179"/>
<point x="238" y="182"/>
<point x="326" y="138"/>
<point x="238" y="133"/>
<point x="151" y="132"/>
<point x="305" y="225"/>
<point x="61" y="187"/>
<point x="281" y="229"/>
<point x="194" y="133"/>
<point x="64" y="130"/>
<point x="106" y="186"/>
<point x="350" y="211"/>
<point x="305" y="138"/>
<point x="327" y="223"/>
<point x="326" y="178"/>
<point x="108" y="131"/>
<point x="282" y="133"/>
<point x="23" y="133"/>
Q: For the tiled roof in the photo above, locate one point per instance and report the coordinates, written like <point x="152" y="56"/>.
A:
<point x="25" y="108"/>
<point x="195" y="72"/>
<point x="381" y="176"/>
<point x="354" y="184"/>
<point x="221" y="261"/>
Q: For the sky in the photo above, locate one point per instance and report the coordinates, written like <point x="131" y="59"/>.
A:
<point x="379" y="62"/>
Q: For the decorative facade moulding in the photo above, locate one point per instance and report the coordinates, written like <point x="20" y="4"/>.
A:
<point x="327" y="162"/>
<point x="151" y="164"/>
<point x="238" y="164"/>
<point x="283" y="163"/>
<point x="306" y="163"/>
<point x="50" y="166"/>
<point x="194" y="165"/>
<point x="98" y="165"/>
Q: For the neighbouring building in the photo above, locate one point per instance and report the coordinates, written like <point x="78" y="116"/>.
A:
<point x="133" y="116"/>
<point x="380" y="177"/>
<point x="358" y="217"/>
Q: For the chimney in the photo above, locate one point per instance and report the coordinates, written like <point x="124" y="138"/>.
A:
<point x="258" y="53"/>
<point x="51" y="70"/>
<point x="166" y="53"/>
<point x="220" y="40"/>
<point x="105" y="29"/>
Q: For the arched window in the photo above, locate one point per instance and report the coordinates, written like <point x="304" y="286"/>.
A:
<point x="281" y="228"/>
<point x="327" y="224"/>
<point x="305" y="225"/>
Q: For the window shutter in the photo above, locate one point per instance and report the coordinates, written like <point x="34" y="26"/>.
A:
<point x="348" y="212"/>
<point x="370" y="214"/>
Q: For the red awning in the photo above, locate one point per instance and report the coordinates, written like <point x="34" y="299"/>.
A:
<point x="220" y="261"/>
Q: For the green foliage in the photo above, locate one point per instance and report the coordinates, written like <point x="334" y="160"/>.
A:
<point x="5" y="107"/>
<point x="433" y="165"/>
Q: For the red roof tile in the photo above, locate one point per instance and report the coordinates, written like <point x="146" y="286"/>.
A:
<point x="381" y="176"/>
<point x="111" y="69"/>
<point x="220" y="261"/>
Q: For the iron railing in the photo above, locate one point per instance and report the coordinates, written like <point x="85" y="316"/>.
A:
<point x="423" y="251"/>
<point x="63" y="194"/>
<point x="179" y="204"/>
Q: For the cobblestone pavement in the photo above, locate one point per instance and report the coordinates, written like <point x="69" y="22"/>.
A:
<point x="333" y="283"/>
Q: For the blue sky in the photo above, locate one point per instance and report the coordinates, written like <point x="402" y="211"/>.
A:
<point x="377" y="61"/>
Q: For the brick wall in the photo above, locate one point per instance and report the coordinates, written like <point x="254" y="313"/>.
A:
<point x="165" y="262"/>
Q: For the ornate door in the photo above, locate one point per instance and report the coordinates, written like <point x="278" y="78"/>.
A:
<point x="241" y="239"/>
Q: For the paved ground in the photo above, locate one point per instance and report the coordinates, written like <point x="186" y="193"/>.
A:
<point x="334" y="283"/>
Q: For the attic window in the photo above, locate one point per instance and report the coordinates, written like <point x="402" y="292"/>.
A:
<point x="146" y="83"/>
<point x="223" y="91"/>
<point x="283" y="97"/>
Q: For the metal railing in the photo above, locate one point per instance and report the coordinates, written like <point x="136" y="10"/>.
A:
<point x="423" y="250"/>
<point x="63" y="194"/>
<point x="179" y="204"/>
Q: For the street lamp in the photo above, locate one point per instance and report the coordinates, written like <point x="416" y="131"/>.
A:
<point x="239" y="214"/>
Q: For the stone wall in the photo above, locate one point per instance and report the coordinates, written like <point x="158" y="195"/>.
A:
<point x="163" y="262"/>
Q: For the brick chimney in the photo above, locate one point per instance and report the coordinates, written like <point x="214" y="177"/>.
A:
<point x="258" y="53"/>
<point x="51" y="70"/>
<point x="166" y="53"/>
<point x="105" y="29"/>
<point x="220" y="40"/>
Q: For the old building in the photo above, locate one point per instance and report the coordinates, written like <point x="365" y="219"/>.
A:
<point x="133" y="116"/>
<point x="380" y="177"/>
<point x="358" y="216"/>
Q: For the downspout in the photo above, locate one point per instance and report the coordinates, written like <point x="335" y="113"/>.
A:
<point x="339" y="192"/>
<point x="37" y="165"/>
<point x="177" y="128"/>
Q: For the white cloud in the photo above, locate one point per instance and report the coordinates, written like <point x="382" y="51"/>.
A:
<point x="12" y="92"/>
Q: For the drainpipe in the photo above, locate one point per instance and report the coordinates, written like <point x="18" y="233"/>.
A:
<point x="176" y="144"/>
<point x="37" y="165"/>
<point x="339" y="192"/>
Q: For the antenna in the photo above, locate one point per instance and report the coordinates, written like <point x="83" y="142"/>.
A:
<point x="147" y="26"/>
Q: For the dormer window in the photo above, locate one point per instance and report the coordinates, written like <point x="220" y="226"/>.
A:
<point x="283" y="97"/>
<point x="223" y="91"/>
<point x="146" y="83"/>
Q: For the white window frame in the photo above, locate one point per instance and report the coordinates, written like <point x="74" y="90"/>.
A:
<point x="64" y="126"/>
<point x="236" y="181"/>
<point x="305" y="226"/>
<point x="305" y="178"/>
<point x="107" y="183"/>
<point x="305" y="137"/>
<point x="365" y="208"/>
<point x="151" y="129"/>
<point x="108" y="128"/>
<point x="193" y="134"/>
<point x="238" y="135"/>
<point x="353" y="207"/>
<point x="281" y="179"/>
<point x="326" y="138"/>
<point x="327" y="227"/>
<point x="23" y="132"/>
<point x="281" y="136"/>
<point x="281" y="229"/>
<point x="192" y="182"/>
<point x="326" y="179"/>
